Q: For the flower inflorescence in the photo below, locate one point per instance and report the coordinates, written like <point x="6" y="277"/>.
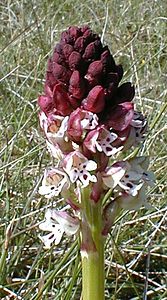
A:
<point x="87" y="117"/>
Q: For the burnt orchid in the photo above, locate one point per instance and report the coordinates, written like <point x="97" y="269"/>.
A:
<point x="88" y="119"/>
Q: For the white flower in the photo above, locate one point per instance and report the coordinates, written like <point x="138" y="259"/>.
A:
<point x="57" y="223"/>
<point x="102" y="140"/>
<point x="138" y="128"/>
<point x="129" y="179"/>
<point x="54" y="181"/>
<point x="55" y="129"/>
<point x="78" y="167"/>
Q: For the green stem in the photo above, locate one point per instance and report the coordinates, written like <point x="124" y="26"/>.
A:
<point x="92" y="250"/>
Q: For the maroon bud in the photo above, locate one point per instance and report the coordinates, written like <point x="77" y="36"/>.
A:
<point x="61" y="73"/>
<point x="95" y="100"/>
<point x="50" y="80"/>
<point x="67" y="50"/>
<point x="61" y="100"/>
<point x="49" y="65"/>
<point x="48" y="90"/>
<point x="74" y="32"/>
<point x="84" y="28"/>
<point x="74" y="60"/>
<point x="112" y="83"/>
<point x="65" y="38"/>
<point x="45" y="103"/>
<point x="95" y="72"/>
<point x="58" y="58"/>
<point x="97" y="189"/>
<point x="80" y="44"/>
<point x="77" y="85"/>
<point x="102" y="161"/>
<point x="74" y="129"/>
<point x="90" y="36"/>
<point x="125" y="93"/>
<point x="93" y="51"/>
<point x="112" y="78"/>
<point x="108" y="60"/>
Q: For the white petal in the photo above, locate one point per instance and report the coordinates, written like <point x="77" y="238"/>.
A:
<point x="85" y="123"/>
<point x="49" y="191"/>
<point x="69" y="224"/>
<point x="47" y="240"/>
<point x="113" y="176"/>
<point x="73" y="174"/>
<point x="55" y="237"/>
<point x="54" y="150"/>
<point x="90" y="165"/>
<point x="49" y="226"/>
<point x="86" y="177"/>
<point x="109" y="150"/>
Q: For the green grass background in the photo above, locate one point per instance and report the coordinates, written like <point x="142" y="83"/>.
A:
<point x="136" y="256"/>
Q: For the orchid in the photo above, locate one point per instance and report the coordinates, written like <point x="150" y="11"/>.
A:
<point x="101" y="140"/>
<point x="88" y="119"/>
<point x="78" y="167"/>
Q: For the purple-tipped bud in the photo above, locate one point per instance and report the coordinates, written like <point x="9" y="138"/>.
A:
<point x="108" y="60"/>
<point x="88" y="73"/>
<point x="80" y="44"/>
<point x="58" y="58"/>
<point x="93" y="51"/>
<point x="74" y="32"/>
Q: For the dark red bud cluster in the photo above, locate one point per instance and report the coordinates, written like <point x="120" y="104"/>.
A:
<point x="82" y="73"/>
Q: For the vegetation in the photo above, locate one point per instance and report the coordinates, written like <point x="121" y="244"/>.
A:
<point x="136" y="260"/>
